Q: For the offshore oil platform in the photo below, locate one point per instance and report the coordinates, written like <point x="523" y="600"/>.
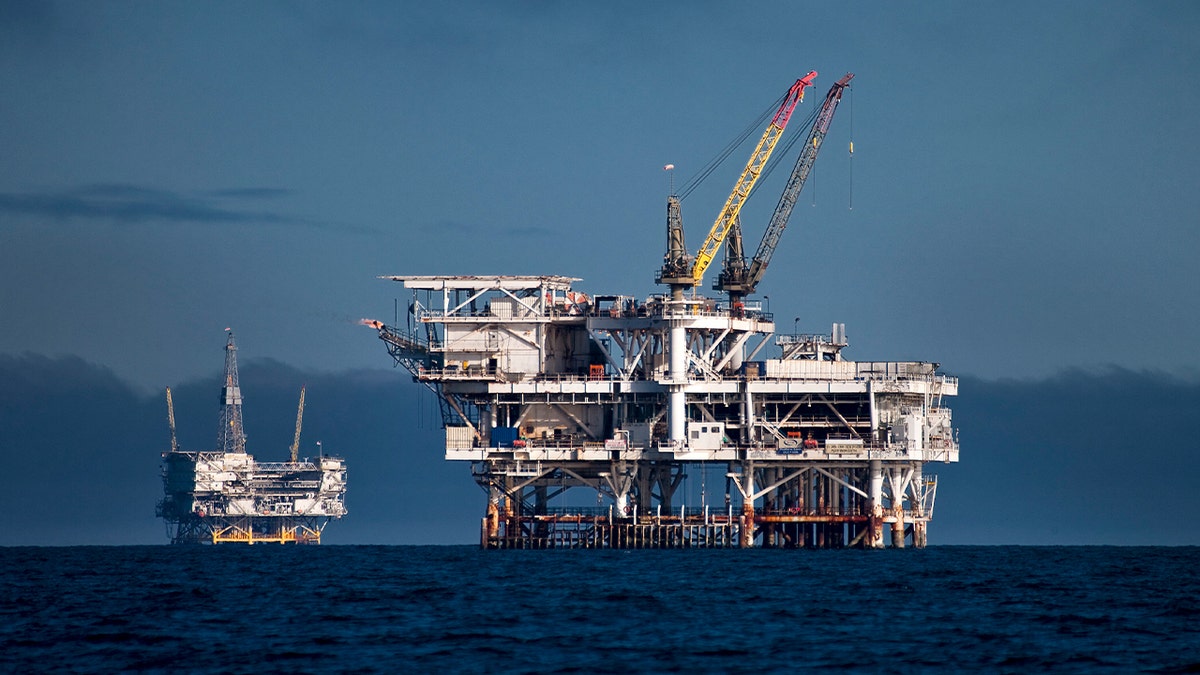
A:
<point x="549" y="392"/>
<point x="226" y="496"/>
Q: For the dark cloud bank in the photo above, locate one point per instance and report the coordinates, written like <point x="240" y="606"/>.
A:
<point x="1081" y="458"/>
<point x="82" y="450"/>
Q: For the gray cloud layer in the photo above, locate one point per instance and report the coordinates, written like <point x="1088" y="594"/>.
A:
<point x="1099" y="458"/>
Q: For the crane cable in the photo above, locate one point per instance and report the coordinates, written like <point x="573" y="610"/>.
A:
<point x="851" y="161"/>
<point x="707" y="169"/>
<point x="793" y="137"/>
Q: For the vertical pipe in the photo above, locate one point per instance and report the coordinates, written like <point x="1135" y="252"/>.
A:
<point x="494" y="421"/>
<point x="748" y="505"/>
<point x="676" y="415"/>
<point x="917" y="486"/>
<point x="876" y="534"/>
<point x="874" y="410"/>
<point x="739" y="354"/>
<point x="492" y="518"/>
<point x="678" y="375"/>
<point x="918" y="489"/>
<point x="748" y="415"/>
<point x="823" y="509"/>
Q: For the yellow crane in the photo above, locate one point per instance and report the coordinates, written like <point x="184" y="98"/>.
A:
<point x="299" y="421"/>
<point x="741" y="190"/>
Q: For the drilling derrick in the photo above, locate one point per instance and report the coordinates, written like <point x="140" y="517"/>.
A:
<point x="611" y="421"/>
<point x="230" y="435"/>
<point x="226" y="496"/>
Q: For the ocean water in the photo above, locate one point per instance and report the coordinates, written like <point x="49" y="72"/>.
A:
<point x="361" y="609"/>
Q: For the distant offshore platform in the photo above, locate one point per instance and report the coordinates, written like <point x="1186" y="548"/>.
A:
<point x="225" y="496"/>
<point x="549" y="392"/>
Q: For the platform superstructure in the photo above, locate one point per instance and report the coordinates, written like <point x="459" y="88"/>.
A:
<point x="546" y="390"/>
<point x="226" y="496"/>
<point x="550" y="393"/>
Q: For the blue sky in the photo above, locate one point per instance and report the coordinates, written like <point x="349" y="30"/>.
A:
<point x="1025" y="208"/>
<point x="1024" y="178"/>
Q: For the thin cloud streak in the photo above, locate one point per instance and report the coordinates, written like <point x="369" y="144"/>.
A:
<point x="124" y="203"/>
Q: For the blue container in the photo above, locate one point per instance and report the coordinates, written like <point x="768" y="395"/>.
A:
<point x="503" y="437"/>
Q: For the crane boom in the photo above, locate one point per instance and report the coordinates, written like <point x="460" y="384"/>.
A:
<point x="171" y="420"/>
<point x="299" y="421"/>
<point x="804" y="164"/>
<point x="758" y="159"/>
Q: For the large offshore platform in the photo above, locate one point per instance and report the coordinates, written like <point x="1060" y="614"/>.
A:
<point x="550" y="393"/>
<point x="225" y="496"/>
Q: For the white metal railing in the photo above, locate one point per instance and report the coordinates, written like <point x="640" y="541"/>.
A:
<point x="280" y="467"/>
<point x="803" y="338"/>
<point x="481" y="373"/>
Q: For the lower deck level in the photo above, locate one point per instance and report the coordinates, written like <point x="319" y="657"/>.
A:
<point x="701" y="530"/>
<point x="246" y="530"/>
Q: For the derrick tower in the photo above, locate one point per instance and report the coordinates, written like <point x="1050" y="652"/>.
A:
<point x="231" y="437"/>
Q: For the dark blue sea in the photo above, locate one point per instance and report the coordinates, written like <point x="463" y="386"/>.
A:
<point x="362" y="609"/>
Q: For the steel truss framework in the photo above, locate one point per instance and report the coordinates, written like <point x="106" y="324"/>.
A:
<point x="549" y="393"/>
<point x="246" y="530"/>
